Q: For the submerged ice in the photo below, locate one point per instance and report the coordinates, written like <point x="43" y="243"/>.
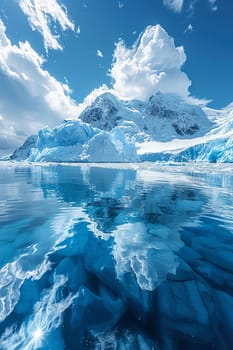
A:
<point x="107" y="258"/>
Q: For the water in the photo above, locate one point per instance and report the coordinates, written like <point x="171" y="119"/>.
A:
<point x="120" y="257"/>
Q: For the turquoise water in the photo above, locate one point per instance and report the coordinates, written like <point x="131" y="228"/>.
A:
<point x="116" y="257"/>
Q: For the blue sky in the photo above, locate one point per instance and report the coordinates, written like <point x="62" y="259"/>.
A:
<point x="67" y="49"/>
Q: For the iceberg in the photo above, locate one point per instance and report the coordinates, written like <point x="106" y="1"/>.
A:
<point x="113" y="130"/>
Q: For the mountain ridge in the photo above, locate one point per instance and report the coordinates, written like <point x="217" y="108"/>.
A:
<point x="113" y="130"/>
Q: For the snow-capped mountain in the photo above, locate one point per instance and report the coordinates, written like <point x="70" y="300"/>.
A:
<point x="216" y="146"/>
<point x="114" y="130"/>
<point x="163" y="117"/>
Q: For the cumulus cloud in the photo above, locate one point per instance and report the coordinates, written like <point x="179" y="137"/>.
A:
<point x="152" y="64"/>
<point x="30" y="97"/>
<point x="174" y="5"/>
<point x="43" y="15"/>
<point x="99" y="54"/>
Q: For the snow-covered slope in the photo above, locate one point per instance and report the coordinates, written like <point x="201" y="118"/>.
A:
<point x="163" y="117"/>
<point x="114" y="130"/>
<point x="23" y="152"/>
<point x="215" y="146"/>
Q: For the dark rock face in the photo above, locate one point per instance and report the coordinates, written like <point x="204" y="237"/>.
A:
<point x="93" y="115"/>
<point x="181" y="116"/>
<point x="190" y="130"/>
<point x="101" y="114"/>
<point x="155" y="108"/>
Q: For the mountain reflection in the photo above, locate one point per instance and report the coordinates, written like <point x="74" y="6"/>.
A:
<point x="113" y="258"/>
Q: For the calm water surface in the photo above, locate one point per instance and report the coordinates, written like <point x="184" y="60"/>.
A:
<point x="119" y="257"/>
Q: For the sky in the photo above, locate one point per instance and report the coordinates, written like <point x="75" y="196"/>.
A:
<point x="54" y="53"/>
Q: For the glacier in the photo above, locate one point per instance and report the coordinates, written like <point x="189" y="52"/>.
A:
<point x="109" y="129"/>
<point x="76" y="141"/>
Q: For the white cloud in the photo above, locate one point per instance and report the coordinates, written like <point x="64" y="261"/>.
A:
<point x="99" y="54"/>
<point x="43" y="16"/>
<point x="78" y="30"/>
<point x="152" y="64"/>
<point x="188" y="29"/>
<point x="174" y="5"/>
<point x="30" y="98"/>
<point x="213" y="5"/>
<point x="90" y="98"/>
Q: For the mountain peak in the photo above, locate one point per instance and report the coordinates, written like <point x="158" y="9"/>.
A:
<point x="109" y="128"/>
